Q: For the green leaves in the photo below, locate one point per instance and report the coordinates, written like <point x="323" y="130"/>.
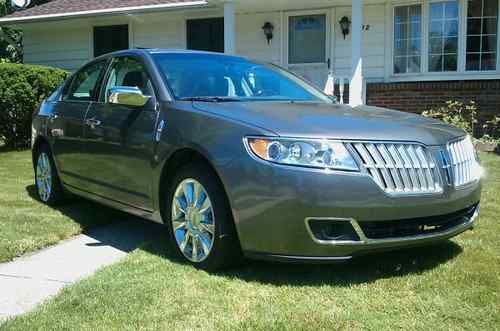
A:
<point x="22" y="89"/>
<point x="466" y="117"/>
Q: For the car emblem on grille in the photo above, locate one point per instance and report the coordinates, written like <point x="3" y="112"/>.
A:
<point x="445" y="161"/>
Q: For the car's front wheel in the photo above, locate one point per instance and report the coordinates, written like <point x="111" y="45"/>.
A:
<point x="48" y="185"/>
<point x="201" y="225"/>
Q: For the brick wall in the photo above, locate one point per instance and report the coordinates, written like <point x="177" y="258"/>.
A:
<point x="419" y="96"/>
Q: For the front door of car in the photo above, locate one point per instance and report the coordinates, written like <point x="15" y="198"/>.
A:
<point x="66" y="123"/>
<point x="119" y="138"/>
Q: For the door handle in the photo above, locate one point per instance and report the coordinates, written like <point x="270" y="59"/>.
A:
<point x="92" y="122"/>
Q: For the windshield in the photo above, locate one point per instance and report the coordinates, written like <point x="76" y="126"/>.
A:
<point x="222" y="78"/>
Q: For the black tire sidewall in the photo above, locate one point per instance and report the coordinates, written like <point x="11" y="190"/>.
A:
<point x="225" y="250"/>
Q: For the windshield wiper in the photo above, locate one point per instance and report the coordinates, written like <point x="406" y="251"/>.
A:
<point x="211" y="99"/>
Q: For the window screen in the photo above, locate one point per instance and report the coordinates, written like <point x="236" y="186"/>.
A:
<point x="307" y="39"/>
<point x="482" y="22"/>
<point x="407" y="39"/>
<point x="443" y="36"/>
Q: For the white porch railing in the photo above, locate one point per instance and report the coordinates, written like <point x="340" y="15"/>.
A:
<point x="334" y="81"/>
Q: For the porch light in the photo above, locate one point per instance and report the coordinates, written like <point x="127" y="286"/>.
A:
<point x="345" y="24"/>
<point x="268" y="29"/>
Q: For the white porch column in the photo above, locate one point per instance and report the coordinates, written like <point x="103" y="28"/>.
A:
<point x="356" y="93"/>
<point x="229" y="28"/>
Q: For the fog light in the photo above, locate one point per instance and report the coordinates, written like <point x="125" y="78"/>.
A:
<point x="332" y="230"/>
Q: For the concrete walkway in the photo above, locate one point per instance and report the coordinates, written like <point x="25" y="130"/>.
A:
<point x="29" y="280"/>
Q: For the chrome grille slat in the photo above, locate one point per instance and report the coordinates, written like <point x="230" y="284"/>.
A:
<point x="400" y="168"/>
<point x="462" y="158"/>
<point x="391" y="163"/>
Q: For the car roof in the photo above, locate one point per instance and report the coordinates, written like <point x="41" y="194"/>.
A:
<point x="149" y="51"/>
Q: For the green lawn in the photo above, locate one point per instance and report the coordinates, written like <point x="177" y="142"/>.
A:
<point x="451" y="286"/>
<point x="26" y="224"/>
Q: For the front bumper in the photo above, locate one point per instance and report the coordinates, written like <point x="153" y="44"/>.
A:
<point x="271" y="204"/>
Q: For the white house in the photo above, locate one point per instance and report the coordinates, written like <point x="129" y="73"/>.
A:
<point x="406" y="54"/>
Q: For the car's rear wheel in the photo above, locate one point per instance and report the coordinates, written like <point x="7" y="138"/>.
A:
<point x="48" y="185"/>
<point x="201" y="225"/>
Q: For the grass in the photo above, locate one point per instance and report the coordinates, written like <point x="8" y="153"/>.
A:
<point x="27" y="225"/>
<point x="454" y="285"/>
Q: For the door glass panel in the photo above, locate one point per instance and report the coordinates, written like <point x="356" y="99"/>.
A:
<point x="129" y="72"/>
<point x="307" y="39"/>
<point x="85" y="82"/>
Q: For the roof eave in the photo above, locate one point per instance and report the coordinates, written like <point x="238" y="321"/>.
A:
<point x="103" y="12"/>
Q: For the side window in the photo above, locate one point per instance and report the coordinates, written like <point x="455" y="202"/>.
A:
<point x="84" y="83"/>
<point x="129" y="72"/>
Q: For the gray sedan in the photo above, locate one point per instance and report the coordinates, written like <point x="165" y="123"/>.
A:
<point x="240" y="158"/>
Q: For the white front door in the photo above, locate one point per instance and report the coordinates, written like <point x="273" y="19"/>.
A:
<point x="307" y="45"/>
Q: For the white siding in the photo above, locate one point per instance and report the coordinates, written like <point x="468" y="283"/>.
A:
<point x="60" y="46"/>
<point x="250" y="40"/>
<point x="159" y="31"/>
<point x="373" y="43"/>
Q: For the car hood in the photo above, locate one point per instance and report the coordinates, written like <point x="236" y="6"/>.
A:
<point x="320" y="120"/>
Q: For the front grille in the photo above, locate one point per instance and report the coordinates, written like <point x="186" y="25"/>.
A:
<point x="400" y="168"/>
<point x="462" y="159"/>
<point x="416" y="226"/>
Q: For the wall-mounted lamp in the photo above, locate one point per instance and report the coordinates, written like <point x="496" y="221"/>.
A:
<point x="345" y="24"/>
<point x="268" y="29"/>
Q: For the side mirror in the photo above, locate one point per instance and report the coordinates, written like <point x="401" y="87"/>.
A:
<point x="127" y="96"/>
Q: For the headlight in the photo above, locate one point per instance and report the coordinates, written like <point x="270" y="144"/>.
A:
<point x="323" y="154"/>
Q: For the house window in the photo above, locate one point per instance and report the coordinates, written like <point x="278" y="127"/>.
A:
<point x="407" y="39"/>
<point x="110" y="38"/>
<point x="482" y="21"/>
<point x="443" y="36"/>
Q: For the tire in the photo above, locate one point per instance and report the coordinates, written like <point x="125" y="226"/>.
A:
<point x="48" y="185"/>
<point x="214" y="251"/>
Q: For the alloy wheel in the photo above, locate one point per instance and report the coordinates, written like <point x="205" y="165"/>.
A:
<point x="193" y="221"/>
<point x="44" y="177"/>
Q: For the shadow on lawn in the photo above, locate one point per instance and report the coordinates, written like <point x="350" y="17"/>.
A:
<point x="365" y="269"/>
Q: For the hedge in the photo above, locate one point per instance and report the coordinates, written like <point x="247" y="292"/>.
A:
<point x="22" y="89"/>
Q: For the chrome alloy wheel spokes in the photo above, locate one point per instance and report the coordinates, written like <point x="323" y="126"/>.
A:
<point x="193" y="221"/>
<point x="44" y="177"/>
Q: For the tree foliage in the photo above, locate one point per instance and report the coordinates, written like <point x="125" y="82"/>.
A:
<point x="11" y="39"/>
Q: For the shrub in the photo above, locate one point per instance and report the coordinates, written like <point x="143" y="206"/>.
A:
<point x="466" y="117"/>
<point x="22" y="89"/>
<point x="457" y="114"/>
<point x="491" y="130"/>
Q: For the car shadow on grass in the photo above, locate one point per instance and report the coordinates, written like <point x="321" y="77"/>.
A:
<point x="151" y="237"/>
<point x="107" y="226"/>
<point x="363" y="269"/>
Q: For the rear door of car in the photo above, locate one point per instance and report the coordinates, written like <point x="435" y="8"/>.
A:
<point x="120" y="139"/>
<point x="66" y="123"/>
